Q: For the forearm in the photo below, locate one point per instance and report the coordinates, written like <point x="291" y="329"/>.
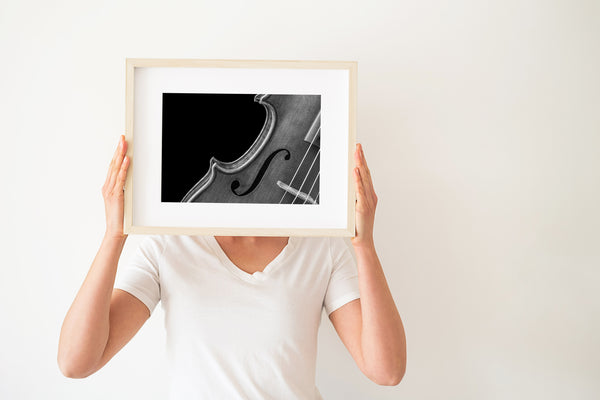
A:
<point x="86" y="326"/>
<point x="383" y="340"/>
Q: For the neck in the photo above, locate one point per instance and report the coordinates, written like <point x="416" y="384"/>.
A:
<point x="250" y="240"/>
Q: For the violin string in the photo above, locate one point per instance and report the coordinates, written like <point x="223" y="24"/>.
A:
<point x="307" y="173"/>
<point x="301" y="161"/>
<point x="300" y="165"/>
<point x="311" y="187"/>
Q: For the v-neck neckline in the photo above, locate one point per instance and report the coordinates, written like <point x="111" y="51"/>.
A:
<point x="257" y="276"/>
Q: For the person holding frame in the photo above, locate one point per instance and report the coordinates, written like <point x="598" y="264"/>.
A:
<point x="253" y="337"/>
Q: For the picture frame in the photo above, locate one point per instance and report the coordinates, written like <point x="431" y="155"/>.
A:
<point x="234" y="147"/>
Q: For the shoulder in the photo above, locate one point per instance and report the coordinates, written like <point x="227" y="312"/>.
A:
<point x="340" y="247"/>
<point x="175" y="241"/>
<point x="153" y="243"/>
<point x="309" y="244"/>
<point x="331" y="248"/>
<point x="183" y="247"/>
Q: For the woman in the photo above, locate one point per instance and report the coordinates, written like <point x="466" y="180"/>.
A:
<point x="241" y="313"/>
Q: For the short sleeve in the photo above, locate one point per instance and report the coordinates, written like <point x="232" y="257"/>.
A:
<point x="139" y="273"/>
<point x="343" y="282"/>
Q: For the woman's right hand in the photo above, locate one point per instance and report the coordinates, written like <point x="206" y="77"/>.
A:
<point x="112" y="190"/>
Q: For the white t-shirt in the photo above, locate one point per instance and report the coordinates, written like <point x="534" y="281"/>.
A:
<point x="235" y="335"/>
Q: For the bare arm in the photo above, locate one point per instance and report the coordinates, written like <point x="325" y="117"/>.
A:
<point x="102" y="320"/>
<point x="371" y="327"/>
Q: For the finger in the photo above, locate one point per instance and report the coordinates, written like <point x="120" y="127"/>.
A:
<point x="365" y="175"/>
<point x="357" y="184"/>
<point x="370" y="187"/>
<point x="122" y="174"/>
<point x="360" y="160"/>
<point x="117" y="166"/>
<point x="114" y="165"/>
<point x="112" y="161"/>
<point x="359" y="200"/>
<point x="361" y="197"/>
<point x="357" y="159"/>
<point x="363" y="160"/>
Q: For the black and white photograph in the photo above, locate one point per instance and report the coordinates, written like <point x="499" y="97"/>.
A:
<point x="241" y="148"/>
<point x="235" y="147"/>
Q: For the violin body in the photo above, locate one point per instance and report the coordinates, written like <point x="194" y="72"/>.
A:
<point x="282" y="165"/>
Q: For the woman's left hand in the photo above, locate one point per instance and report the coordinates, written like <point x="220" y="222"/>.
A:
<point x="366" y="201"/>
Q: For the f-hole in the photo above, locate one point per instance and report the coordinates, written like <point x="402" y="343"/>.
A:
<point x="236" y="184"/>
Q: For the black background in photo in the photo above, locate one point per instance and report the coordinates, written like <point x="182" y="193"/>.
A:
<point x="198" y="126"/>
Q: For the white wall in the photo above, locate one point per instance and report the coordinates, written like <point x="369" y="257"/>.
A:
<point x="481" y="124"/>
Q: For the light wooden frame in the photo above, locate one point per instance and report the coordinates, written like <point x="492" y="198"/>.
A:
<point x="132" y="63"/>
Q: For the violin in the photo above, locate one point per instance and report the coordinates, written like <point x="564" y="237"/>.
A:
<point x="282" y="166"/>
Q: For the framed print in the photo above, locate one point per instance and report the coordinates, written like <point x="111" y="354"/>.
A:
<point x="240" y="147"/>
